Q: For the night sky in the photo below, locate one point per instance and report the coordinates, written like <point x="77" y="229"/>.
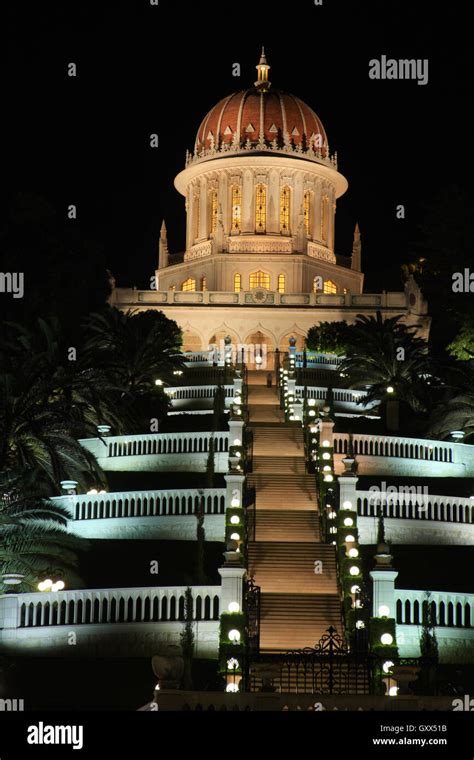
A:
<point x="144" y="69"/>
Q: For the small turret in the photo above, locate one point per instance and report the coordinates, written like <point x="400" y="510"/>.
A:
<point x="163" y="248"/>
<point x="356" y="250"/>
<point x="262" y="84"/>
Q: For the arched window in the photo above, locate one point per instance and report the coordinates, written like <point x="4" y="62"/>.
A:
<point x="260" y="208"/>
<point x="236" y="207"/>
<point x="203" y="282"/>
<point x="259" y="280"/>
<point x="237" y="283"/>
<point x="307" y="212"/>
<point x="285" y="210"/>
<point x="329" y="287"/>
<point x="317" y="284"/>
<point x="324" y="218"/>
<point x="214" y="210"/>
<point x="281" y="283"/>
<point x="189" y="285"/>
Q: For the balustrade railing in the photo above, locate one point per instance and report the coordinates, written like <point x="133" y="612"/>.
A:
<point x="448" y="609"/>
<point x="184" y="501"/>
<point x="120" y="605"/>
<point x="393" y="446"/>
<point x="159" y="443"/>
<point x="415" y="506"/>
<point x="311" y="359"/>
<point x="197" y="391"/>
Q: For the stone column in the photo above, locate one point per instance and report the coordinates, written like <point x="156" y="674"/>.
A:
<point x="203" y="232"/>
<point x="189" y="217"/>
<point x="297" y="212"/>
<point x="223" y="201"/>
<point x="347" y="491"/>
<point x="248" y="202"/>
<point x="231" y="584"/>
<point x="384" y="591"/>
<point x="9" y="611"/>
<point x="316" y="211"/>
<point x="332" y="219"/>
<point x="273" y="203"/>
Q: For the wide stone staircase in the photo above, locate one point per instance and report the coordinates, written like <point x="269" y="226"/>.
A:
<point x="297" y="604"/>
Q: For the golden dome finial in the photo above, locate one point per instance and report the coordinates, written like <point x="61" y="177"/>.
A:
<point x="263" y="68"/>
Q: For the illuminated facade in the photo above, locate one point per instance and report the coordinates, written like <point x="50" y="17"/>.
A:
<point x="261" y="188"/>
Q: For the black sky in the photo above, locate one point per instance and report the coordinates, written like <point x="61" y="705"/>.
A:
<point x="145" y="69"/>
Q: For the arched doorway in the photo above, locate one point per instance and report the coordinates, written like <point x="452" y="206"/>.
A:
<point x="260" y="349"/>
<point x="191" y="341"/>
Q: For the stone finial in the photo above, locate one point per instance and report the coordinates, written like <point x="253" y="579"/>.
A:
<point x="356" y="250"/>
<point x="163" y="247"/>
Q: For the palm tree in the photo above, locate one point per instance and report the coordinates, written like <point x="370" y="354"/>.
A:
<point x="34" y="541"/>
<point x="41" y="417"/>
<point x="456" y="410"/>
<point x="134" y="350"/>
<point x="385" y="356"/>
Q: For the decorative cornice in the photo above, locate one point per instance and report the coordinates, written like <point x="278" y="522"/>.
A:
<point x="259" y="244"/>
<point x="199" y="250"/>
<point x="318" y="252"/>
<point x="244" y="148"/>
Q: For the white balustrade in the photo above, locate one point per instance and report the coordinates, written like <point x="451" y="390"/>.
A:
<point x="157" y="443"/>
<point x="198" y="358"/>
<point x="406" y="503"/>
<point x="344" y="397"/>
<point x="200" y="395"/>
<point x="326" y="361"/>
<point x="118" y="605"/>
<point x="394" y="446"/>
<point x="449" y="609"/>
<point x="184" y="501"/>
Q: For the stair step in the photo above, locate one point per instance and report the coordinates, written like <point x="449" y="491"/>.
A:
<point x="279" y="525"/>
<point x="288" y="567"/>
<point x="294" y="621"/>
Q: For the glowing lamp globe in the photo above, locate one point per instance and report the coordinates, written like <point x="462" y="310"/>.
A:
<point x="348" y="522"/>
<point x="235" y="519"/>
<point x="384" y="611"/>
<point x="347" y="505"/>
<point x="387" y="666"/>
<point x="386" y="639"/>
<point x="393" y="691"/>
<point x="233" y="607"/>
<point x="326" y="444"/>
<point x="232" y="687"/>
<point x="353" y="553"/>
<point x="234" y="635"/>
<point x="326" y="455"/>
<point x="354" y="570"/>
<point x="350" y="539"/>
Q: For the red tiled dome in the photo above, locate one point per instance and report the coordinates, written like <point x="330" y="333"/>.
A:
<point x="277" y="114"/>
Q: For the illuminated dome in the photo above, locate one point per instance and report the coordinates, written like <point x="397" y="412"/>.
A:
<point x="262" y="118"/>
